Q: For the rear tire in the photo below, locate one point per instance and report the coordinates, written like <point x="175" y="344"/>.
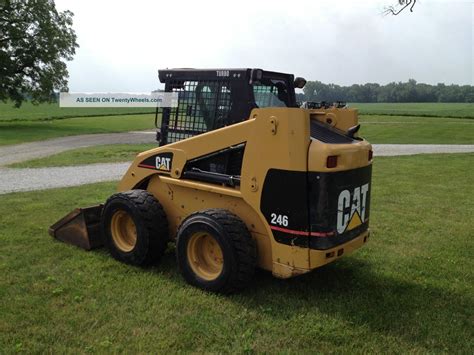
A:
<point x="135" y="227"/>
<point x="215" y="251"/>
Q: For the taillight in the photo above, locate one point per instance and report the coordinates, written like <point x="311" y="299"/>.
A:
<point x="331" y="162"/>
<point x="371" y="154"/>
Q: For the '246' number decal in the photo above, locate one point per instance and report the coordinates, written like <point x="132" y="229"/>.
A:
<point x="279" y="219"/>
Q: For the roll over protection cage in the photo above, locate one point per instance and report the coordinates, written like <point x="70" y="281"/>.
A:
<point x="213" y="98"/>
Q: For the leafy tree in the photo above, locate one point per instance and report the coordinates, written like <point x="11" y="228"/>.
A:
<point x="35" y="42"/>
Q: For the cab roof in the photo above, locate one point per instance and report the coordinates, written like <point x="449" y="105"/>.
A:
<point x="247" y="74"/>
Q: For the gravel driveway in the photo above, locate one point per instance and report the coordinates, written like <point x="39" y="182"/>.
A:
<point x="412" y="149"/>
<point x="26" y="151"/>
<point x="14" y="180"/>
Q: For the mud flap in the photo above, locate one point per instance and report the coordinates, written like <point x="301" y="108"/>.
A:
<point x="81" y="228"/>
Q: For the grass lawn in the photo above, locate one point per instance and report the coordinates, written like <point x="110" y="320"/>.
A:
<point x="99" y="154"/>
<point x="411" y="289"/>
<point x="30" y="112"/>
<point x="19" y="131"/>
<point x="382" y="123"/>
<point x="416" y="130"/>
<point x="376" y="129"/>
<point x="41" y="112"/>
<point x="436" y="109"/>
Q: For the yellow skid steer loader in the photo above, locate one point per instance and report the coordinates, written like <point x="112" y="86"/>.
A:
<point x="244" y="176"/>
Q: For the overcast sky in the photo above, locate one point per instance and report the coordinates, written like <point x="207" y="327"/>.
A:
<point x="124" y="43"/>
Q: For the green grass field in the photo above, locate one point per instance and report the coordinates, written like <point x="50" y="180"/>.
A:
<point x="376" y="129"/>
<point x="99" y="154"/>
<point x="381" y="123"/>
<point x="30" y="112"/>
<point x="416" y="130"/>
<point x="411" y="289"/>
<point x="41" y="112"/>
<point x="19" y="131"/>
<point x="430" y="109"/>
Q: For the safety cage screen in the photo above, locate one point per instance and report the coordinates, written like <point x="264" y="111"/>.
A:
<point x="202" y="106"/>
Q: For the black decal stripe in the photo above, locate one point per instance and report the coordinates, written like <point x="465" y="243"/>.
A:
<point x="324" y="190"/>
<point x="285" y="193"/>
<point x="310" y="201"/>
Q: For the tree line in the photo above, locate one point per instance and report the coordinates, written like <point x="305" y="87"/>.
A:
<point x="410" y="91"/>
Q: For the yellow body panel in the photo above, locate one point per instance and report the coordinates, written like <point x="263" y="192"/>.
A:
<point x="277" y="138"/>
<point x="322" y="257"/>
<point x="341" y="119"/>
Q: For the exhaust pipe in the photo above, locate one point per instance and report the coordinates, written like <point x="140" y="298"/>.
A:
<point x="81" y="228"/>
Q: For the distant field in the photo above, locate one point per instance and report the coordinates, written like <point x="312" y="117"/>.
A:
<point x="375" y="128"/>
<point x="18" y="131"/>
<point x="30" y="112"/>
<point x="461" y="110"/>
<point x="381" y="123"/>
<point x="416" y="130"/>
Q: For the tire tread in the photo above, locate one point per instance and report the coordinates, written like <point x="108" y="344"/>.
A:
<point x="154" y="221"/>
<point x="243" y="244"/>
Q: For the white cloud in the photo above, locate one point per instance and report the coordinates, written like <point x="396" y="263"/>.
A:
<point x="123" y="43"/>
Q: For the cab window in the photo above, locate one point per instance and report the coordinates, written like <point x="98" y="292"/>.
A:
<point x="271" y="93"/>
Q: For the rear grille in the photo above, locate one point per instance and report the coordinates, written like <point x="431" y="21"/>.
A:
<point x="324" y="134"/>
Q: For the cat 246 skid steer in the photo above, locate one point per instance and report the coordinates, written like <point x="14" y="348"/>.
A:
<point x="244" y="176"/>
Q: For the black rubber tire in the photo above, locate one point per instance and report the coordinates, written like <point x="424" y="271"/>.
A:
<point x="238" y="249"/>
<point x="150" y="222"/>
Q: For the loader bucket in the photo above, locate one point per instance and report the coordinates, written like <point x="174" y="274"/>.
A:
<point x="80" y="227"/>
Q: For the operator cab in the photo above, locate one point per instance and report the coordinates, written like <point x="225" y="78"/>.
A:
<point x="213" y="98"/>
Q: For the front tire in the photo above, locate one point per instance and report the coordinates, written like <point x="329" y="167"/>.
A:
<point x="215" y="251"/>
<point x="135" y="227"/>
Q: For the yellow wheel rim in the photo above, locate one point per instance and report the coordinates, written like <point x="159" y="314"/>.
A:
<point x="124" y="231"/>
<point x="205" y="256"/>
